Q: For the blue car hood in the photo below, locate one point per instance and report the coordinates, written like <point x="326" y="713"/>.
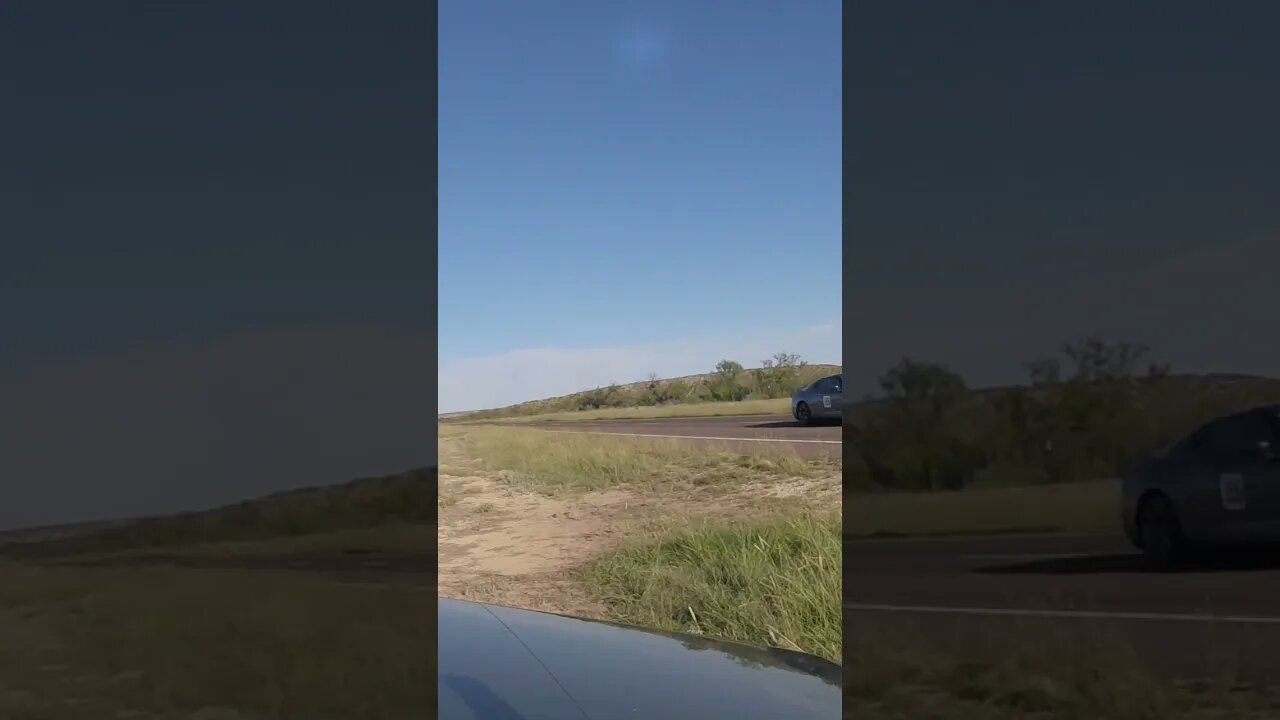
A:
<point x="499" y="663"/>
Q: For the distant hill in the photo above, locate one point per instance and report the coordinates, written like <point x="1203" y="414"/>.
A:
<point x="404" y="498"/>
<point x="658" y="391"/>
<point x="56" y="532"/>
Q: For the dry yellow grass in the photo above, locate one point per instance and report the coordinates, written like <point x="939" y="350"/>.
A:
<point x="562" y="462"/>
<point x="168" y="643"/>
<point x="1070" y="507"/>
<point x="1050" y="672"/>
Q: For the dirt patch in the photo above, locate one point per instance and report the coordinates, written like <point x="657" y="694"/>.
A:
<point x="503" y="544"/>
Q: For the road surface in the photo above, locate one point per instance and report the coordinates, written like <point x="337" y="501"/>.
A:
<point x="963" y="593"/>
<point x="743" y="433"/>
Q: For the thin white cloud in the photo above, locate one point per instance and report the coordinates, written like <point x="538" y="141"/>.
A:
<point x="536" y="373"/>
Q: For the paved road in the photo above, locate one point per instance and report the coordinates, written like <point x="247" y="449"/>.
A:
<point x="738" y="433"/>
<point x="961" y="593"/>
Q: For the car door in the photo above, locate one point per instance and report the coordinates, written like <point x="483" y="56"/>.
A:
<point x="1239" y="453"/>
<point x="1266" y="482"/>
<point x="837" y="396"/>
<point x="826" y="397"/>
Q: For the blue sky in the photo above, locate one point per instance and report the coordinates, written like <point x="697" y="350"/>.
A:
<point x="625" y="185"/>
<point x="214" y="235"/>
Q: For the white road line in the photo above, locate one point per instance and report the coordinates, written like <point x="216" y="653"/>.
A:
<point x="1025" y="556"/>
<point x="979" y="537"/>
<point x="699" y="437"/>
<point x="1073" y="614"/>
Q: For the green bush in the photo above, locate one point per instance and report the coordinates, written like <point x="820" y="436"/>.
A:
<point x="929" y="431"/>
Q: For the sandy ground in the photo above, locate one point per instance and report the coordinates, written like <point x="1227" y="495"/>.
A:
<point x="514" y="547"/>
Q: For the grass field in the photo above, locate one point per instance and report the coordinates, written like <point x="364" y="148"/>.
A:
<point x="140" y="640"/>
<point x="777" y="406"/>
<point x="1052" y="673"/>
<point x="1083" y="507"/>
<point x="558" y="462"/>
<point x="775" y="583"/>
<point x="172" y="643"/>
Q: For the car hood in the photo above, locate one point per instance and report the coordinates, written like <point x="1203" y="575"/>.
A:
<point x="500" y="663"/>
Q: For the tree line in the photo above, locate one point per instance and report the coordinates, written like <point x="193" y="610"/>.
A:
<point x="729" y="381"/>
<point x="776" y="377"/>
<point x="1087" y="412"/>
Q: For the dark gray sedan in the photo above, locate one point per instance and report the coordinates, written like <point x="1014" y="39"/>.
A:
<point x="1218" y="486"/>
<point x="500" y="663"/>
<point x="823" y="400"/>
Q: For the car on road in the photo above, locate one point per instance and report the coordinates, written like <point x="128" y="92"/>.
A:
<point x="1217" y="487"/>
<point x="821" y="400"/>
<point x="501" y="663"/>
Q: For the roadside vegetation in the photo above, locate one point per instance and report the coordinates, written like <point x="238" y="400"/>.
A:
<point x="775" y="406"/>
<point x="731" y="389"/>
<point x="765" y="583"/>
<point x="1087" y="413"/>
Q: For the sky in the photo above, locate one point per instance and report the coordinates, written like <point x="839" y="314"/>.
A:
<point x="1019" y="177"/>
<point x="215" y="280"/>
<point x="215" y="275"/>
<point x="634" y="187"/>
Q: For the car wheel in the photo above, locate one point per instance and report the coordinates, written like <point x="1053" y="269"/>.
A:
<point x="1162" y="542"/>
<point x="803" y="414"/>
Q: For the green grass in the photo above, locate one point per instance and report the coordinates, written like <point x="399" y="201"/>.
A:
<point x="775" y="584"/>
<point x="1083" y="507"/>
<point x="776" y="406"/>
<point x="556" y="463"/>
<point x="92" y="644"/>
